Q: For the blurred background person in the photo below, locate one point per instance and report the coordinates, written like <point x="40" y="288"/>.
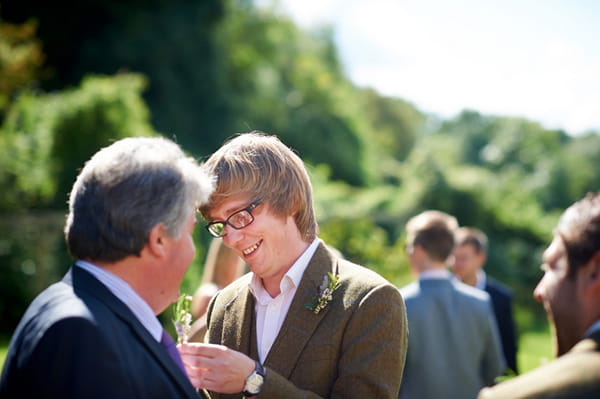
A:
<point x="222" y="267"/>
<point x="570" y="293"/>
<point x="470" y="255"/>
<point x="453" y="346"/>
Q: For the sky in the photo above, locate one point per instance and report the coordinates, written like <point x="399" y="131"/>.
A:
<point x="537" y="59"/>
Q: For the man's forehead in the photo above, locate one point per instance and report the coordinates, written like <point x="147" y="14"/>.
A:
<point x="555" y="250"/>
<point x="228" y="206"/>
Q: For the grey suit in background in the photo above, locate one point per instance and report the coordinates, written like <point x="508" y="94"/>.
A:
<point x="453" y="347"/>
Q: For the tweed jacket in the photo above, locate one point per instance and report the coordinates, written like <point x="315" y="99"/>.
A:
<point x="354" y="348"/>
<point x="575" y="375"/>
<point x="454" y="348"/>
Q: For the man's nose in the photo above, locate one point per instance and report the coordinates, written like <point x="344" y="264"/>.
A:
<point x="538" y="292"/>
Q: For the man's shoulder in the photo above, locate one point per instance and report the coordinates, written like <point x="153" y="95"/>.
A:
<point x="232" y="290"/>
<point x="470" y="293"/>
<point x="496" y="288"/>
<point x="410" y="290"/>
<point x="360" y="275"/>
<point x="573" y="375"/>
<point x="58" y="301"/>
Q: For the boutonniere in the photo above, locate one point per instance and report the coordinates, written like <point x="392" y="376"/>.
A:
<point x="330" y="283"/>
<point x="183" y="318"/>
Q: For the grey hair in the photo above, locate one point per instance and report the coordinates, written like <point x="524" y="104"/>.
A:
<point x="125" y="190"/>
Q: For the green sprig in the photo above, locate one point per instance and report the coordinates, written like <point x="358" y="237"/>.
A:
<point x="330" y="283"/>
<point x="183" y="318"/>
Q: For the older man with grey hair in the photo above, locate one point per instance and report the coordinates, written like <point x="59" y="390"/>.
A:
<point x="132" y="212"/>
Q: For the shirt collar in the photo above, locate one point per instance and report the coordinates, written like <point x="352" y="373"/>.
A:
<point x="595" y="327"/>
<point x="291" y="278"/>
<point x="481" y="279"/>
<point x="435" y="273"/>
<point x="123" y="291"/>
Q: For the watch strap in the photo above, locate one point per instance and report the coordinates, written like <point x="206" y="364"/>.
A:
<point x="258" y="369"/>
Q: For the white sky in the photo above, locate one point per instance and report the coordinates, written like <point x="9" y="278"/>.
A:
<point x="539" y="59"/>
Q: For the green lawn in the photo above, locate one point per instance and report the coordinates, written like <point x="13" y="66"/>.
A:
<point x="535" y="348"/>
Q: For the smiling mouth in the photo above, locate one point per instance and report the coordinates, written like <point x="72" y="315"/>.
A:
<point x="253" y="248"/>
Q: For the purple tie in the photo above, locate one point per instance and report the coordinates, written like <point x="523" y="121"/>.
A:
<point x="167" y="342"/>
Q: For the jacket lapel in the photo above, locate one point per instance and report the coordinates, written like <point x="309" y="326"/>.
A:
<point x="85" y="284"/>
<point x="235" y="334"/>
<point x="300" y="322"/>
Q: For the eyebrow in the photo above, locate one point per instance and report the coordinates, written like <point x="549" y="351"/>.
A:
<point x="231" y="210"/>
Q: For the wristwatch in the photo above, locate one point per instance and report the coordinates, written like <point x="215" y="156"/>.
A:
<point x="254" y="381"/>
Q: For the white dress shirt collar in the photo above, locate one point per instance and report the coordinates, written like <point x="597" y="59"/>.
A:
<point x="271" y="312"/>
<point x="142" y="311"/>
<point x="435" y="273"/>
<point x="481" y="279"/>
<point x="292" y="276"/>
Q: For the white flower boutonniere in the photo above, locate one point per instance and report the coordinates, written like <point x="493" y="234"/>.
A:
<point x="183" y="318"/>
<point x="330" y="283"/>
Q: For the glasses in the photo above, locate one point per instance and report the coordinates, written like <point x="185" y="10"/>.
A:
<point x="238" y="220"/>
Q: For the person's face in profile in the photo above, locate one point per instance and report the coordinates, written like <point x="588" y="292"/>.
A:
<point x="177" y="255"/>
<point x="558" y="293"/>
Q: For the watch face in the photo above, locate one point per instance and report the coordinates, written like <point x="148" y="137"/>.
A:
<point x="253" y="383"/>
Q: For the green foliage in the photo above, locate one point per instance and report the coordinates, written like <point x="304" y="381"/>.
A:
<point x="32" y="255"/>
<point x="21" y="59"/>
<point x="287" y="82"/>
<point x="47" y="137"/>
<point x="213" y="68"/>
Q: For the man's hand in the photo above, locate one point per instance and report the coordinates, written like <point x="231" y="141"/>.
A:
<point x="216" y="367"/>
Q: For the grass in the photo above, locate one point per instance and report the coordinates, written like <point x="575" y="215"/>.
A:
<point x="535" y="349"/>
<point x="3" y="349"/>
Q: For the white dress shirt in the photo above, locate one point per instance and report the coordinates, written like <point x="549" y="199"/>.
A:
<point x="435" y="274"/>
<point x="141" y="310"/>
<point x="270" y="312"/>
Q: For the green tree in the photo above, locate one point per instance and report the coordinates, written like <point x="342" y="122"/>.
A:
<point x="45" y="138"/>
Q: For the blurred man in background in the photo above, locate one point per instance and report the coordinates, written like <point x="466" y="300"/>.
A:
<point x="470" y="255"/>
<point x="570" y="293"/>
<point x="453" y="348"/>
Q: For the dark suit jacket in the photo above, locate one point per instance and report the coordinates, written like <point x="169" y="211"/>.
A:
<point x="575" y="375"/>
<point x="502" y="304"/>
<point x="354" y="348"/>
<point x="77" y="340"/>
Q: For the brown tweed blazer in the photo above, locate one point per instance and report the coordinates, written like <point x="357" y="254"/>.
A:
<point x="575" y="375"/>
<point x="354" y="348"/>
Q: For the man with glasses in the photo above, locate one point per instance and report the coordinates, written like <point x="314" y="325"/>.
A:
<point x="304" y="323"/>
<point x="570" y="293"/>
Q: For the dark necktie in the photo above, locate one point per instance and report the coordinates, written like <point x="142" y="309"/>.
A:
<point x="167" y="342"/>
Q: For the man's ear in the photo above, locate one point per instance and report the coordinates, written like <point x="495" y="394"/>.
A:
<point x="591" y="273"/>
<point x="156" y="240"/>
